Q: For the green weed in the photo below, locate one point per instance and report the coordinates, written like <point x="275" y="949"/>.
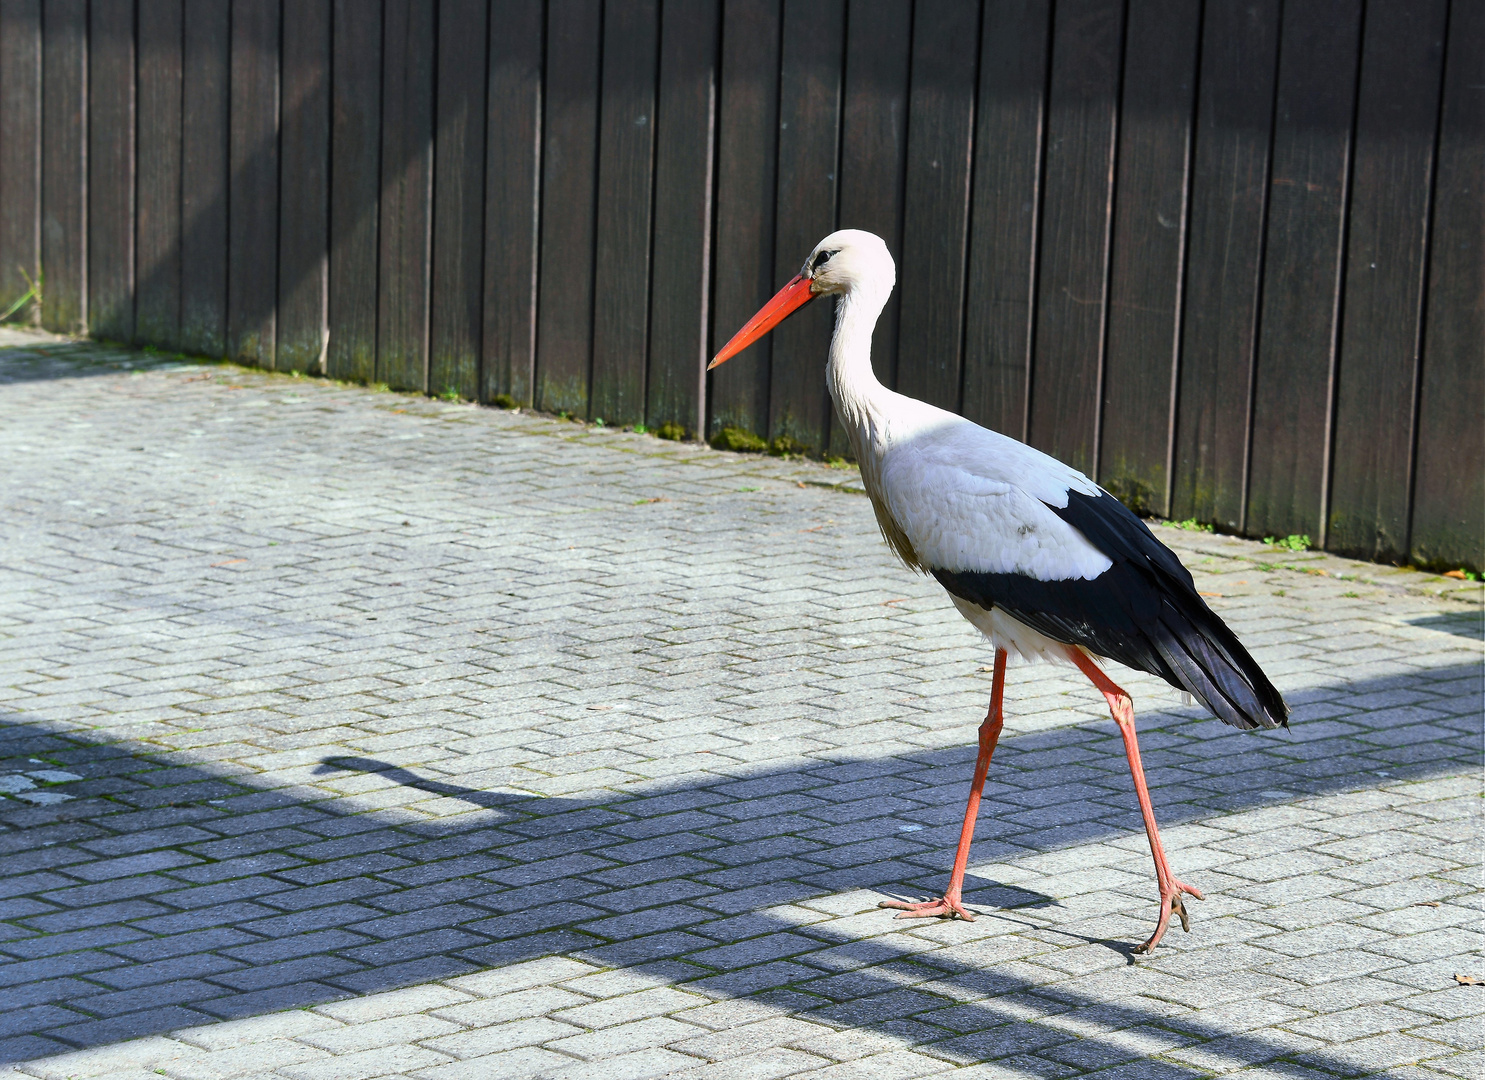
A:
<point x="1292" y="542"/>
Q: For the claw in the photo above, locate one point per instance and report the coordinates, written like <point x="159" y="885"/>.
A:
<point x="1170" y="902"/>
<point x="943" y="908"/>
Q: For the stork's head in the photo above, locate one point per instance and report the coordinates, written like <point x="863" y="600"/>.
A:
<point x="846" y="262"/>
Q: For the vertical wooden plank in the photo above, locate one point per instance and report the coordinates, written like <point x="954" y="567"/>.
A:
<point x="355" y="181"/>
<point x="564" y="338"/>
<point x="1087" y="42"/>
<point x="512" y="199"/>
<point x="64" y="187"/>
<point x="1448" y="528"/>
<point x="747" y="166"/>
<point x="158" y="229"/>
<point x="304" y="210"/>
<point x="685" y="149"/>
<point x="458" y="200"/>
<point x="1010" y="122"/>
<point x="809" y="136"/>
<point x="1319" y="50"/>
<point x="1229" y="197"/>
<point x="206" y="113"/>
<point x="252" y="203"/>
<point x="111" y="169"/>
<point x="20" y="151"/>
<point x="1397" y="108"/>
<point x="946" y="38"/>
<point x="406" y="234"/>
<point x="1149" y="247"/>
<point x="626" y="155"/>
<point x="873" y="149"/>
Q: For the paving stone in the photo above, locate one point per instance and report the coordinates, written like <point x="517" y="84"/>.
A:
<point x="417" y="739"/>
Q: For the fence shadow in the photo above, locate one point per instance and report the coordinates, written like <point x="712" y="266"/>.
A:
<point x="191" y="896"/>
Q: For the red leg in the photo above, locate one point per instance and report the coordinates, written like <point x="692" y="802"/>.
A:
<point x="953" y="900"/>
<point x="1123" y="710"/>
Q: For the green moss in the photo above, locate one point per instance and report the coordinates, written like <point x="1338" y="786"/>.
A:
<point x="672" y="431"/>
<point x="504" y="401"/>
<point x="738" y="441"/>
<point x="786" y="446"/>
<point x="1293" y="542"/>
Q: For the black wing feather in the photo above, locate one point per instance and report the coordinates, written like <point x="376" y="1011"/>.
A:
<point x="1144" y="611"/>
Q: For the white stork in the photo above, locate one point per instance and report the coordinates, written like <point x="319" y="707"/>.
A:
<point x="1039" y="558"/>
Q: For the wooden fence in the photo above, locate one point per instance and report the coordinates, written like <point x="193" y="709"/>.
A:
<point x="1227" y="257"/>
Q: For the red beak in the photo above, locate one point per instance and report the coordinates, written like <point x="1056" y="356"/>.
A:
<point x="786" y="302"/>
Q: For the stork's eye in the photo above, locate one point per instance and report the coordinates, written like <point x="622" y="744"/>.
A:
<point x="821" y="258"/>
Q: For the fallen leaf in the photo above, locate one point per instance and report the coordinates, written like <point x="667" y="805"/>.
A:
<point x="599" y="708"/>
<point x="1456" y="574"/>
<point x="899" y="600"/>
<point x="1469" y="980"/>
<point x="229" y="562"/>
<point x="800" y="483"/>
<point x="1427" y="903"/>
<point x="1216" y="594"/>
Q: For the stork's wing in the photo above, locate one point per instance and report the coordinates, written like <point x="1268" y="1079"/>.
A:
<point x="1069" y="560"/>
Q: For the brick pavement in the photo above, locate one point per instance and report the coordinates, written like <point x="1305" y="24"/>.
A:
<point x="354" y="735"/>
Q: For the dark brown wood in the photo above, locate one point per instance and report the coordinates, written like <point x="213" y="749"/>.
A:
<point x="512" y="199"/>
<point x="1302" y="274"/>
<point x="111" y="169"/>
<point x="355" y="181"/>
<point x="1448" y="526"/>
<point x="304" y="207"/>
<point x="1229" y="197"/>
<point x="1087" y="40"/>
<point x="1397" y="109"/>
<point x="684" y="155"/>
<point x="946" y="39"/>
<point x="252" y="203"/>
<point x="874" y="147"/>
<point x="1010" y="124"/>
<point x="809" y="137"/>
<point x="20" y="152"/>
<point x="206" y="111"/>
<point x="64" y="186"/>
<point x="564" y="338"/>
<point x="626" y="156"/>
<point x="158" y="220"/>
<point x="458" y="201"/>
<point x="405" y="268"/>
<point x="1149" y="246"/>
<point x="747" y="165"/>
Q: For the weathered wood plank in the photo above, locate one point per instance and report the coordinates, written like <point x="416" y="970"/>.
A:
<point x="1229" y="196"/>
<point x="158" y="228"/>
<point x="1448" y="527"/>
<point x="1149" y="247"/>
<point x="1010" y="125"/>
<point x="512" y="199"/>
<point x="111" y="178"/>
<point x="564" y="339"/>
<point x="252" y="204"/>
<point x="1087" y="41"/>
<point x="684" y="155"/>
<point x="747" y="167"/>
<point x="20" y="152"/>
<point x="405" y="237"/>
<point x="1397" y="111"/>
<point x="946" y="39"/>
<point x="206" y="112"/>
<point x="459" y="200"/>
<point x="809" y="136"/>
<point x="873" y="150"/>
<point x="355" y="182"/>
<point x="64" y="187"/>
<point x="304" y="211"/>
<point x="626" y="155"/>
<point x="1302" y="271"/>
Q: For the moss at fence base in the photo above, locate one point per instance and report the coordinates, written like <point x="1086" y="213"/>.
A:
<point x="738" y="441"/>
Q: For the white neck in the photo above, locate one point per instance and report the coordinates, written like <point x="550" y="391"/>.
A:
<point x="858" y="395"/>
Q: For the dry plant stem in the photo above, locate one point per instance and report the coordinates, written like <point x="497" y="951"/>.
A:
<point x="1122" y="709"/>
<point x="952" y="902"/>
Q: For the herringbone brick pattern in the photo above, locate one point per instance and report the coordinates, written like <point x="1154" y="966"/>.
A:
<point x="351" y="735"/>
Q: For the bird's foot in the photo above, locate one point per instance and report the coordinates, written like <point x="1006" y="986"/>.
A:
<point x="1170" y="901"/>
<point x="944" y="908"/>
